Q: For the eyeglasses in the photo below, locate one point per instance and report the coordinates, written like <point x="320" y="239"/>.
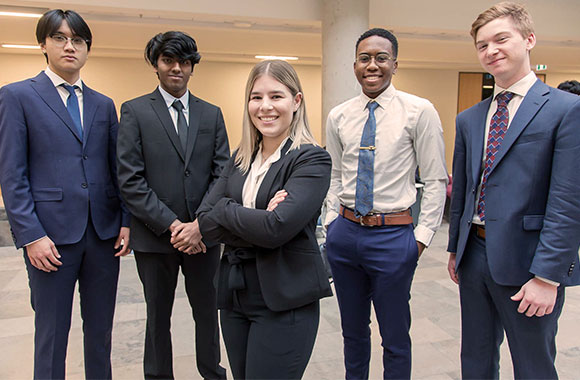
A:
<point x="60" y="40"/>
<point x="380" y="59"/>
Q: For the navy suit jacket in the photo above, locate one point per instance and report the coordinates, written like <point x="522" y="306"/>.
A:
<point x="288" y="261"/>
<point x="532" y="192"/>
<point x="52" y="180"/>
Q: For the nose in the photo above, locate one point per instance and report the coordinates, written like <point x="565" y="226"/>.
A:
<point x="176" y="67"/>
<point x="68" y="45"/>
<point x="266" y="104"/>
<point x="491" y="49"/>
<point x="372" y="64"/>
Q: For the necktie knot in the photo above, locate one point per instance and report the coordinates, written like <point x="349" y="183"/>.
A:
<point x="70" y="89"/>
<point x="177" y="105"/>
<point x="372" y="106"/>
<point x="504" y="98"/>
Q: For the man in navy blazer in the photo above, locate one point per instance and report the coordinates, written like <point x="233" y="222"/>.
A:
<point x="58" y="178"/>
<point x="515" y="225"/>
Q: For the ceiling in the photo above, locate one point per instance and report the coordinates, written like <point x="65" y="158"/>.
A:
<point x="236" y="31"/>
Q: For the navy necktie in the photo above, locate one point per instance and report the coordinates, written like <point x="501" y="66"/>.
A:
<point x="366" y="165"/>
<point x="181" y="123"/>
<point x="72" y="105"/>
<point x="497" y="129"/>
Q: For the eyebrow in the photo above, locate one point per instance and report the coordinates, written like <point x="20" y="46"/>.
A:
<point x="269" y="92"/>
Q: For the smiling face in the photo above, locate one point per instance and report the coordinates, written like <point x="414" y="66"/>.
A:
<point x="374" y="78"/>
<point x="174" y="74"/>
<point x="271" y="108"/>
<point x="503" y="51"/>
<point x="65" y="61"/>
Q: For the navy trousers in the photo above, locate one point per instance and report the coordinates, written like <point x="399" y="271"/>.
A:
<point x="487" y="310"/>
<point x="93" y="264"/>
<point x="373" y="264"/>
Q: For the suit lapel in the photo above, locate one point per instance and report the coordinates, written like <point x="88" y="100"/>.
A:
<point x="195" y="113"/>
<point x="532" y="103"/>
<point x="160" y="108"/>
<point x="263" y="196"/>
<point x="478" y="138"/>
<point x="46" y="90"/>
<point x="89" y="111"/>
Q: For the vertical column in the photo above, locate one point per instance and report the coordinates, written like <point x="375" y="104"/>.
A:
<point x="343" y="21"/>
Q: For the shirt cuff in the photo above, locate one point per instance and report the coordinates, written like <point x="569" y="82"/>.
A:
<point x="548" y="281"/>
<point x="424" y="235"/>
<point x="32" y="242"/>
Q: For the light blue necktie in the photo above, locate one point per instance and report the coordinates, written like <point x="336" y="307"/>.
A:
<point x="72" y="105"/>
<point x="366" y="165"/>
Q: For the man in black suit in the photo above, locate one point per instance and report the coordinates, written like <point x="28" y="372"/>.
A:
<point x="171" y="148"/>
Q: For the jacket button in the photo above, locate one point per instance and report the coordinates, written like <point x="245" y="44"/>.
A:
<point x="187" y="173"/>
<point x="84" y="185"/>
<point x="85" y="157"/>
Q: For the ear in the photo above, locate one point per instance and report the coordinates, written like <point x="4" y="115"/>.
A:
<point x="395" y="66"/>
<point x="297" y="101"/>
<point x="42" y="47"/>
<point x="530" y="41"/>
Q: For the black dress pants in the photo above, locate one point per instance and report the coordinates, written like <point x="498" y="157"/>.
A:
<point x="264" y="344"/>
<point x="158" y="273"/>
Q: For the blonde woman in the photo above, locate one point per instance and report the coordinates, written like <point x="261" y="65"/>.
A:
<point x="264" y="208"/>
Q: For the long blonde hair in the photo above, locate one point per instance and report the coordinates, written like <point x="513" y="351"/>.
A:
<point x="299" y="132"/>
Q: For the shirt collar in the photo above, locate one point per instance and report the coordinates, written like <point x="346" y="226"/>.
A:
<point x="275" y="156"/>
<point x="520" y="88"/>
<point x="57" y="80"/>
<point x="383" y="99"/>
<point x="169" y="99"/>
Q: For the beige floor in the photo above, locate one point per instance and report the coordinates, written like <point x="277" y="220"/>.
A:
<point x="435" y="331"/>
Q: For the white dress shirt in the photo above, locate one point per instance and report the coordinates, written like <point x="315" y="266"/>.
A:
<point x="408" y="134"/>
<point x="257" y="173"/>
<point x="169" y="99"/>
<point x="63" y="92"/>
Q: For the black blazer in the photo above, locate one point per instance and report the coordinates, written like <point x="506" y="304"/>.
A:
<point x="288" y="261"/>
<point x="158" y="181"/>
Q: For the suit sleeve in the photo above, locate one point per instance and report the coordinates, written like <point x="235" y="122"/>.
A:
<point x="306" y="186"/>
<point x="211" y="229"/>
<point x="113" y="132"/>
<point x="458" y="189"/>
<point x="221" y="151"/>
<point x="140" y="199"/>
<point x="14" y="180"/>
<point x="560" y="234"/>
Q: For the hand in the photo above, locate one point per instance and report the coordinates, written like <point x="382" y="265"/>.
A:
<point x="43" y="255"/>
<point x="420" y="247"/>
<point x="451" y="268"/>
<point x="276" y="199"/>
<point x="186" y="237"/>
<point x="123" y="241"/>
<point x="537" y="298"/>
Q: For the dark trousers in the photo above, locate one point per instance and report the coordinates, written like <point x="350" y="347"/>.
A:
<point x="92" y="262"/>
<point x="264" y="344"/>
<point x="373" y="264"/>
<point x="487" y="310"/>
<point x="158" y="273"/>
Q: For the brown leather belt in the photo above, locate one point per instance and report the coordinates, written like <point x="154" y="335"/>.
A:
<point x="377" y="220"/>
<point x="479" y="231"/>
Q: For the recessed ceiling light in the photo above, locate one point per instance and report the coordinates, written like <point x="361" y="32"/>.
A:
<point x="264" y="57"/>
<point x="20" y="14"/>
<point x="15" y="46"/>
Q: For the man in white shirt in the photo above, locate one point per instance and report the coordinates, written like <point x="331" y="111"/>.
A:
<point x="376" y="141"/>
<point x="514" y="229"/>
<point x="171" y="149"/>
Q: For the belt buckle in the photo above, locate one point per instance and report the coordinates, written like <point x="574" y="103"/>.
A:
<point x="361" y="220"/>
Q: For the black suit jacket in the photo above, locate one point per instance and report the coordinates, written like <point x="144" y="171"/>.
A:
<point x="289" y="265"/>
<point x="158" y="180"/>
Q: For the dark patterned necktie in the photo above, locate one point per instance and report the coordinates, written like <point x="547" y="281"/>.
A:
<point x="366" y="165"/>
<point x="72" y="106"/>
<point x="497" y="130"/>
<point x="181" y="123"/>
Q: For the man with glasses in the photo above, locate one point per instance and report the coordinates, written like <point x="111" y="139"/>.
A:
<point x="58" y="178"/>
<point x="376" y="141"/>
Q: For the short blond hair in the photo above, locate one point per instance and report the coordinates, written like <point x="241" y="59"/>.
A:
<point x="519" y="14"/>
<point x="299" y="132"/>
